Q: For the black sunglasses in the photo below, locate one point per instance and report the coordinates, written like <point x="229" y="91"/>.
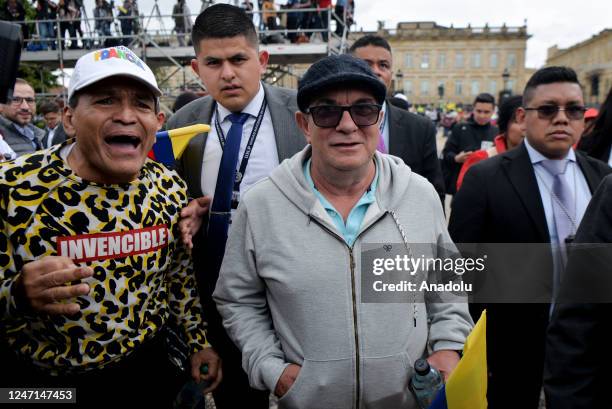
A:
<point x="574" y="112"/>
<point x="329" y="116"/>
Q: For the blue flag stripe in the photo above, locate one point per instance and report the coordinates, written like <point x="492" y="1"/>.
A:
<point x="439" y="401"/>
<point x="163" y="151"/>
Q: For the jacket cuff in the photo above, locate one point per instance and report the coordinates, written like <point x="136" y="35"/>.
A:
<point x="13" y="316"/>
<point x="9" y="293"/>
<point x="271" y="370"/>
<point x="196" y="339"/>
<point x="451" y="345"/>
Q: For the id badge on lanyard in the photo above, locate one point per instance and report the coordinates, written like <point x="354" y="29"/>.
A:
<point x="245" y="158"/>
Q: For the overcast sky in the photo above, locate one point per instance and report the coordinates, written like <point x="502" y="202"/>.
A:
<point x="561" y="22"/>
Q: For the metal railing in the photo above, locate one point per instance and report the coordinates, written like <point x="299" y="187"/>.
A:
<point x="140" y="32"/>
<point x="133" y="30"/>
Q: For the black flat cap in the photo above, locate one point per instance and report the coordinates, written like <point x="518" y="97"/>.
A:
<point x="338" y="71"/>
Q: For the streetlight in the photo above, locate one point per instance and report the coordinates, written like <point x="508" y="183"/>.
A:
<point x="506" y="92"/>
<point x="506" y="77"/>
<point x="399" y="82"/>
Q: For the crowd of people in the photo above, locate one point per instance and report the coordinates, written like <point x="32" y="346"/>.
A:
<point x="63" y="22"/>
<point x="246" y="264"/>
<point x="118" y="24"/>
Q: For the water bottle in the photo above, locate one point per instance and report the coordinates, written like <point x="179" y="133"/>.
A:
<point x="191" y="396"/>
<point x="426" y="382"/>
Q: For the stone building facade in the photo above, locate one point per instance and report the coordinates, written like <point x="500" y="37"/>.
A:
<point x="464" y="61"/>
<point x="592" y="60"/>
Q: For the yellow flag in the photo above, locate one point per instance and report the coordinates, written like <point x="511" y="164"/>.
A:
<point x="466" y="387"/>
<point x="181" y="136"/>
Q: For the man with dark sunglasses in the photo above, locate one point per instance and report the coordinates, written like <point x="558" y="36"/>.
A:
<point x="290" y="289"/>
<point x="535" y="193"/>
<point x="16" y="120"/>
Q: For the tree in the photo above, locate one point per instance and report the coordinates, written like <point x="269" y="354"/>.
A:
<point x="40" y="77"/>
<point x="29" y="9"/>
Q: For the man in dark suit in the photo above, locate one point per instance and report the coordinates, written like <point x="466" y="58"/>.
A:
<point x="577" y="366"/>
<point x="54" y="129"/>
<point x="403" y="134"/>
<point x="230" y="64"/>
<point x="515" y="198"/>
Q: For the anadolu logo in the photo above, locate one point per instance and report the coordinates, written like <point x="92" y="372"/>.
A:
<point x="117" y="52"/>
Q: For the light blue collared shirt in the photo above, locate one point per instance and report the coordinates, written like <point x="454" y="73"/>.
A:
<point x="357" y="214"/>
<point x="574" y="179"/>
<point x="579" y="189"/>
<point x="28" y="133"/>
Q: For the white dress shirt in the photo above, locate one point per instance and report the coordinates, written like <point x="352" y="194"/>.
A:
<point x="264" y="156"/>
<point x="50" y="134"/>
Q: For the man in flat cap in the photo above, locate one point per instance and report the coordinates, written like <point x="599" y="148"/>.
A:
<point x="291" y="288"/>
<point x="91" y="268"/>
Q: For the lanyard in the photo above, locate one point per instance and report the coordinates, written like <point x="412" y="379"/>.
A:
<point x="571" y="218"/>
<point x="249" y="147"/>
<point x="383" y="122"/>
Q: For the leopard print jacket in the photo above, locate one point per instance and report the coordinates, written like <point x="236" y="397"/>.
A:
<point x="128" y="234"/>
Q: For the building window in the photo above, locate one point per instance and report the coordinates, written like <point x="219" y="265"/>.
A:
<point x="407" y="87"/>
<point x="511" y="60"/>
<point x="493" y="87"/>
<point x="441" y="60"/>
<point x="459" y="60"/>
<point x="458" y="87"/>
<point x="476" y="60"/>
<point x="595" y="85"/>
<point x="493" y="60"/>
<point x="441" y="87"/>
<point x="475" y="87"/>
<point x="424" y="87"/>
<point x="408" y="60"/>
<point x="510" y="85"/>
<point x="425" y="61"/>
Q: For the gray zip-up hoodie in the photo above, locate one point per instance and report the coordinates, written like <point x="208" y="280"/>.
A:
<point x="289" y="291"/>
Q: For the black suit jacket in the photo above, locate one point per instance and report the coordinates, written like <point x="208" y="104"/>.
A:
<point x="59" y="136"/>
<point x="466" y="136"/>
<point x="499" y="202"/>
<point x="413" y="139"/>
<point x="577" y="359"/>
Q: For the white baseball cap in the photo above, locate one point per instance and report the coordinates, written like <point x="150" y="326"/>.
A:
<point x="109" y="62"/>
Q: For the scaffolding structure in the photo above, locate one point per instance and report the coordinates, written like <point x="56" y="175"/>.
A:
<point x="158" y="46"/>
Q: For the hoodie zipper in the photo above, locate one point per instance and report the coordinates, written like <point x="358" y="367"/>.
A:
<point x="353" y="296"/>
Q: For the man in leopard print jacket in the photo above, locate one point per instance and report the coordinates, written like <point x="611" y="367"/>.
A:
<point x="92" y="270"/>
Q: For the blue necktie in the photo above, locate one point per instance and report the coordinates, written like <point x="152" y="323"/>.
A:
<point x="220" y="211"/>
